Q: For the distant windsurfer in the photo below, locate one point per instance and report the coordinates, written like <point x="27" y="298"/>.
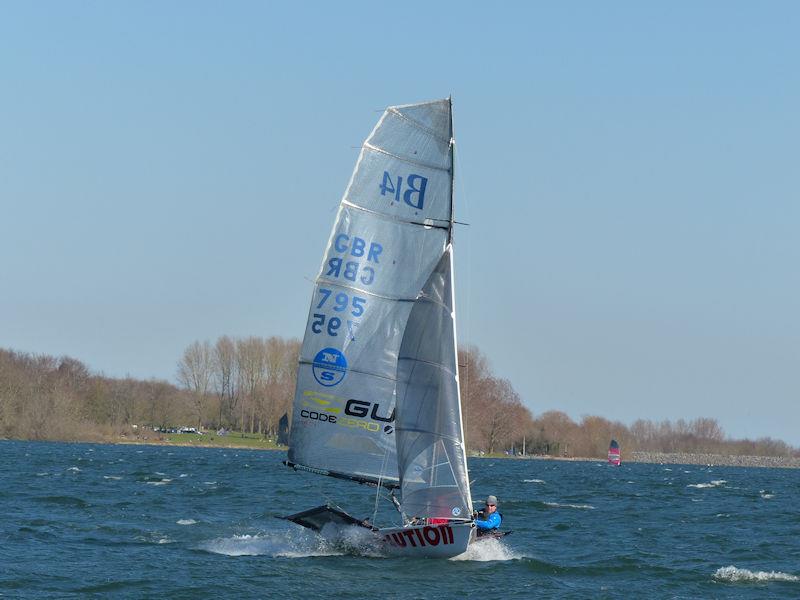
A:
<point x="488" y="520"/>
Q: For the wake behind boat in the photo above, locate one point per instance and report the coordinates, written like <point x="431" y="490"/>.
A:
<point x="377" y="398"/>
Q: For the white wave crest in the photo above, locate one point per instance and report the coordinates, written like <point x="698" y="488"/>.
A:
<point x="711" y="484"/>
<point x="766" y="494"/>
<point x="533" y="481"/>
<point x="155" y="537"/>
<point x="732" y="573"/>
<point x="74" y="469"/>
<point x="487" y="550"/>
<point x="186" y="521"/>
<point x="114" y="477"/>
<point x="162" y="482"/>
<point x="581" y="506"/>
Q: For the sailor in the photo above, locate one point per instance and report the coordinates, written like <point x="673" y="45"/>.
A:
<point x="488" y="519"/>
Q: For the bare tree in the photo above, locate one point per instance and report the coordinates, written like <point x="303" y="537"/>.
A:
<point x="501" y="415"/>
<point x="553" y="432"/>
<point x="473" y="368"/>
<point x="225" y="378"/>
<point x="251" y="361"/>
<point x="195" y="371"/>
<point x="282" y="358"/>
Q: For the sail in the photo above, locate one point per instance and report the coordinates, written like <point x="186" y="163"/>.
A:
<point x="389" y="233"/>
<point x="613" y="453"/>
<point x="430" y="439"/>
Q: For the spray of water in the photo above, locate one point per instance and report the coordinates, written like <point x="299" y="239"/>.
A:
<point x="274" y="544"/>
<point x="734" y="574"/>
<point x="487" y="550"/>
<point x="334" y="540"/>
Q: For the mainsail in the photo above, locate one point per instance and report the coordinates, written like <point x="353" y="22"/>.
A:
<point x="390" y="234"/>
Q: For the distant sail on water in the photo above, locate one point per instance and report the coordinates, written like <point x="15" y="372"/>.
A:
<point x="613" y="453"/>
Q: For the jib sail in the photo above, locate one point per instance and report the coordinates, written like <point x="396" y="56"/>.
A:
<point x="390" y="232"/>
<point x="430" y="438"/>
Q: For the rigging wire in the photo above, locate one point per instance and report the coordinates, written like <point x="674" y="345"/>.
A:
<point x="378" y="487"/>
<point x="465" y="299"/>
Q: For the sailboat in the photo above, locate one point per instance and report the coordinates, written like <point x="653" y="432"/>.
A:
<point x="377" y="399"/>
<point x="613" y="453"/>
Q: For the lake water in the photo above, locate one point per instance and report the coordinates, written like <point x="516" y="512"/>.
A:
<point x="84" y="520"/>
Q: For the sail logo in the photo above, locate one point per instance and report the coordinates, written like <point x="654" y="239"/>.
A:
<point x="320" y="407"/>
<point x="329" y="366"/>
<point x="352" y="413"/>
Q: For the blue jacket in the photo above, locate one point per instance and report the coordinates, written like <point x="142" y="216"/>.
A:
<point x="492" y="522"/>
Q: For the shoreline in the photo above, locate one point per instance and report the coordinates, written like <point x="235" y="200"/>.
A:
<point x="679" y="458"/>
<point x="716" y="460"/>
<point x="665" y="458"/>
<point x="187" y="445"/>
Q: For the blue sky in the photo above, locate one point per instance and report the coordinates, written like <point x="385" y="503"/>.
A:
<point x="169" y="172"/>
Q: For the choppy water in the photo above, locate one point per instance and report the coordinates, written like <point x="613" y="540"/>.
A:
<point x="83" y="520"/>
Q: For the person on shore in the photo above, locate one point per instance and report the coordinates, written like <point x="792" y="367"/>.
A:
<point x="488" y="519"/>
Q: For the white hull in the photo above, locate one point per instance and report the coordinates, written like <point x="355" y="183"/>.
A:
<point x="430" y="541"/>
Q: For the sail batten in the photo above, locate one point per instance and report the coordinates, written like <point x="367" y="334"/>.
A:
<point x="365" y="292"/>
<point x="410" y="161"/>
<point x="371" y="373"/>
<point x="395" y="111"/>
<point x="428" y="223"/>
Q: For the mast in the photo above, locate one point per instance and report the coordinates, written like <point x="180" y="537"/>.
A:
<point x="453" y="284"/>
<point x="452" y="172"/>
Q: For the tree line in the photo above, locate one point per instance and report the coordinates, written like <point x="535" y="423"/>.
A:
<point x="48" y="398"/>
<point x="244" y="384"/>
<point x="247" y="384"/>
<point x="496" y="419"/>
